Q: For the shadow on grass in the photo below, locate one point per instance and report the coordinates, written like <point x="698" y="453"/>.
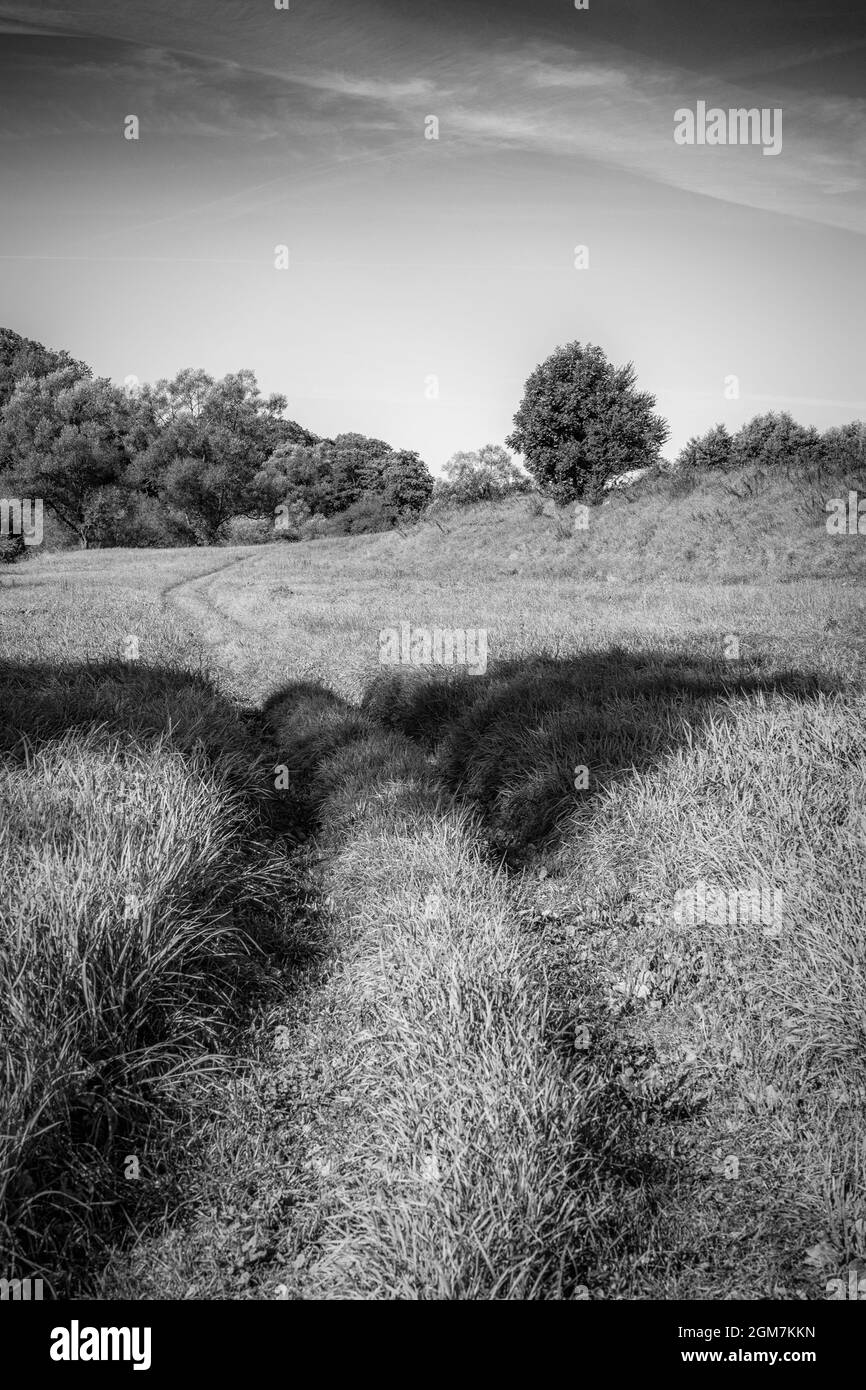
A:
<point x="512" y="742"/>
<point x="119" y="1089"/>
<point x="507" y="742"/>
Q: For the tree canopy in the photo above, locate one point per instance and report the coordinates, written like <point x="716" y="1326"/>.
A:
<point x="183" y="457"/>
<point x="581" y="422"/>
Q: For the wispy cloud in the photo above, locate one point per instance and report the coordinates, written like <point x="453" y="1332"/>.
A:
<point x="623" y="115"/>
<point x="254" y="80"/>
<point x="343" y="84"/>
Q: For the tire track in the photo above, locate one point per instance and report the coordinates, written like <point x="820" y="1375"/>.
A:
<point x="223" y="637"/>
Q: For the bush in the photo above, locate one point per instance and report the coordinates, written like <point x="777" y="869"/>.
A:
<point x="152" y="523"/>
<point x="116" y="516"/>
<point x="106" y="516"/>
<point x="370" y="513"/>
<point x="247" y="530"/>
<point x="335" y="474"/>
<point x="773" y="441"/>
<point x="844" y="446"/>
<point x="480" y="475"/>
<point x="11" y="549"/>
<point x="290" y="519"/>
<point x="705" y="452"/>
<point x="318" y="528"/>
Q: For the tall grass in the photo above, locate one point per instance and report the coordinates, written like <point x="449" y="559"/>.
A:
<point x="484" y="1156"/>
<point x="133" y="867"/>
<point x="735" y="782"/>
<point x="518" y="1076"/>
<point x="770" y="790"/>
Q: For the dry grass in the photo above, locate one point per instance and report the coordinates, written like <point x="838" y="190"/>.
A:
<point x="508" y="1071"/>
<point x="481" y="1156"/>
<point x="138" y="875"/>
<point x="771" y="1027"/>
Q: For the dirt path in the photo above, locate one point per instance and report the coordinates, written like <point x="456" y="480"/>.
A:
<point x="226" y="638"/>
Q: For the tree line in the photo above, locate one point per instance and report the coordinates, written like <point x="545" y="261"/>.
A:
<point x="176" y="461"/>
<point x="185" y="461"/>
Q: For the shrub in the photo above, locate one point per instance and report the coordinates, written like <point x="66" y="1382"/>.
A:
<point x="247" y="530"/>
<point x="11" y="549"/>
<point x="370" y="513"/>
<point x="116" y="516"/>
<point x="290" y="518"/>
<point x="709" y="451"/>
<point x="151" y="523"/>
<point x="482" y="474"/>
<point x="317" y="528"/>
<point x="334" y="474"/>
<point x="844" y="446"/>
<point x="772" y="441"/>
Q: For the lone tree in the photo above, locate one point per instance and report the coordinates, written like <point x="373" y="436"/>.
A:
<point x="581" y="422"/>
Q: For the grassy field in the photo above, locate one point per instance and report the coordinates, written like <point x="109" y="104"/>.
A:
<point x="381" y="998"/>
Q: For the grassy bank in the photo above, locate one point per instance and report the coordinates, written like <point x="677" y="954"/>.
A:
<point x="138" y="884"/>
<point x="483" y="1055"/>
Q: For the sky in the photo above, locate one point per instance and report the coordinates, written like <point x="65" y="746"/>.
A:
<point x="427" y="277"/>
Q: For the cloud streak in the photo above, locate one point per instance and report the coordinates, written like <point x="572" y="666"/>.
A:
<point x="252" y="78"/>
